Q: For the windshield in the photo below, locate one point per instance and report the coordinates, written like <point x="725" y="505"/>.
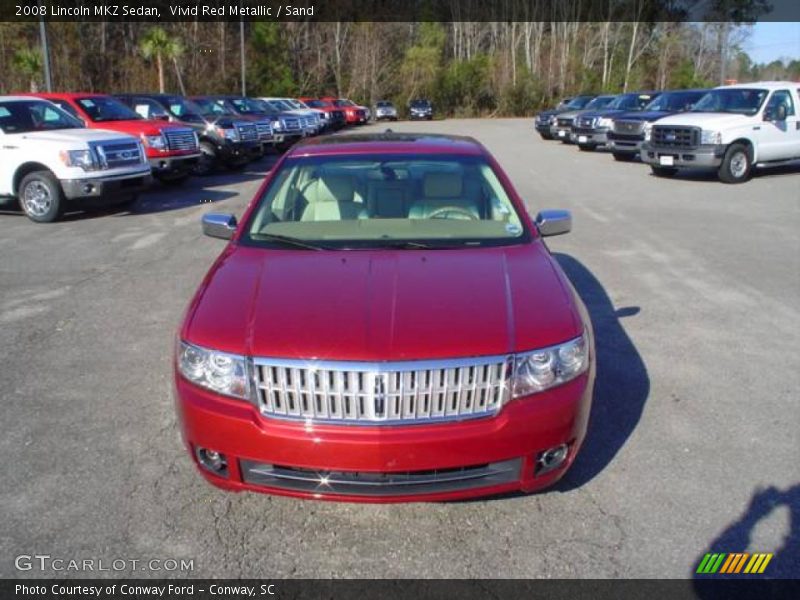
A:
<point x="579" y="102"/>
<point x="318" y="103"/>
<point x="675" y="101"/>
<point x="384" y="104"/>
<point x="186" y="110"/>
<point x="279" y="105"/>
<point x="630" y="101"/>
<point x="214" y="108"/>
<point x="25" y="116"/>
<point x="600" y="102"/>
<point x="743" y="101"/>
<point x="420" y="104"/>
<point x="252" y="106"/>
<point x="342" y="103"/>
<point x="101" y="109"/>
<point x="374" y="201"/>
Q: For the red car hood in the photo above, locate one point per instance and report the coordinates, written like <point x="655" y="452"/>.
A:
<point x="382" y="305"/>
<point x="137" y="126"/>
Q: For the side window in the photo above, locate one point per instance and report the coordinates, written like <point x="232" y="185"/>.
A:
<point x="782" y="97"/>
<point x="67" y="107"/>
<point x="149" y="109"/>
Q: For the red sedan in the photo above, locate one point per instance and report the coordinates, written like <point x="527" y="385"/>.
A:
<point x="385" y="324"/>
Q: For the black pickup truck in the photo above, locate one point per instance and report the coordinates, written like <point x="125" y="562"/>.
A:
<point x="545" y="122"/>
<point x="225" y="139"/>
<point x="630" y="129"/>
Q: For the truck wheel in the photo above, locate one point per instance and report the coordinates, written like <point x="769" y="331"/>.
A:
<point x="41" y="197"/>
<point x="663" y="171"/>
<point x="546" y="136"/>
<point x="736" y="166"/>
<point x="623" y="156"/>
<point x="207" y="161"/>
<point x="587" y="147"/>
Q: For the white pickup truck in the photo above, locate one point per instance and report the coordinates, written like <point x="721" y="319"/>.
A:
<point x="731" y="129"/>
<point x="49" y="161"/>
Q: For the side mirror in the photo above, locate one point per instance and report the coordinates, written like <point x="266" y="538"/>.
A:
<point x="219" y="225"/>
<point x="553" y="222"/>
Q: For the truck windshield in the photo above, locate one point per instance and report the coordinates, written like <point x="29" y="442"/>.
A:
<point x="248" y="106"/>
<point x="674" y="101"/>
<point x="351" y="202"/>
<point x="318" y="103"/>
<point x="183" y="109"/>
<point x="101" y="109"/>
<point x="630" y="101"/>
<point x="26" y="116"/>
<point x="341" y="103"/>
<point x="600" y="102"/>
<point x="214" y="108"/>
<point x="579" y="102"/>
<point x="743" y="101"/>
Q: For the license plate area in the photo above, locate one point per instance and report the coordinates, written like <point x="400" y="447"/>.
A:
<point x="582" y="139"/>
<point x="666" y="160"/>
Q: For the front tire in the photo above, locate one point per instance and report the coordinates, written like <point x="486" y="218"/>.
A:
<point x="41" y="197"/>
<point x="663" y="171"/>
<point x="207" y="162"/>
<point x="546" y="136"/>
<point x="173" y="179"/>
<point x="623" y="157"/>
<point x="737" y="165"/>
<point x="587" y="147"/>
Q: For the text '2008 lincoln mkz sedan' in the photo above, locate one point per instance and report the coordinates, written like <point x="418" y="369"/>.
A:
<point x="385" y="324"/>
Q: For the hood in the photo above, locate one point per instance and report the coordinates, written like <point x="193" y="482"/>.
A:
<point x="138" y="126"/>
<point x="66" y="136"/>
<point x="382" y="305"/>
<point x="706" y="120"/>
<point x="603" y="112"/>
<point x="569" y="114"/>
<point x="649" y="115"/>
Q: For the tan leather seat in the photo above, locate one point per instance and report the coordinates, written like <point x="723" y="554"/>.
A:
<point x="332" y="198"/>
<point x="440" y="190"/>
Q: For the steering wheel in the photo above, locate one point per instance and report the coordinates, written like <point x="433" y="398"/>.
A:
<point x="463" y="213"/>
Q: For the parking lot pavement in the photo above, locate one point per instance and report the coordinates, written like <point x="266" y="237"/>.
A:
<point x="693" y="445"/>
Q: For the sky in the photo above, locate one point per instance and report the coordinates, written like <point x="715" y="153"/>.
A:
<point x="772" y="40"/>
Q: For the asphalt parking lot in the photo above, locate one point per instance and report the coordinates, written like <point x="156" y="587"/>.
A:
<point x="693" y="446"/>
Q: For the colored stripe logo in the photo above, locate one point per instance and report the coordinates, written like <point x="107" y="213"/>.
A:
<point x="734" y="563"/>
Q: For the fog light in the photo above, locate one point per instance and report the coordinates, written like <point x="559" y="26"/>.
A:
<point x="551" y="458"/>
<point x="212" y="461"/>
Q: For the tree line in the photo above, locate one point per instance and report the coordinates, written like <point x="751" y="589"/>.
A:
<point x="465" y="68"/>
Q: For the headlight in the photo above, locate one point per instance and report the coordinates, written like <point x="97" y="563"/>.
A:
<point x="79" y="158"/>
<point x="553" y="120"/>
<point x="648" y="130"/>
<point x="229" y="134"/>
<point x="710" y="137"/>
<point x="218" y="371"/>
<point x="605" y="122"/>
<point x="157" y="142"/>
<point x="277" y="126"/>
<point x="542" y="369"/>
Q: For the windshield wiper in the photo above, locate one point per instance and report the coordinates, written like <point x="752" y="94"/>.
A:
<point x="291" y="241"/>
<point x="414" y="245"/>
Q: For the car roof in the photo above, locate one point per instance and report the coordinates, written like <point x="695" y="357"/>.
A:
<point x="389" y="143"/>
<point x="18" y="98"/>
<point x="770" y="85"/>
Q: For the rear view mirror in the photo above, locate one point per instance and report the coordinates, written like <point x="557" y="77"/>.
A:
<point x="553" y="222"/>
<point x="219" y="225"/>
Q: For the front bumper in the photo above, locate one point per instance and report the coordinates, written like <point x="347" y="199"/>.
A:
<point x="624" y="145"/>
<point x="422" y="116"/>
<point x="238" y="152"/>
<point x="107" y="189"/>
<point x="386" y="463"/>
<point x="589" y="137"/>
<point x="561" y="132"/>
<point x="286" y="139"/>
<point x="163" y="165"/>
<point x="705" y="156"/>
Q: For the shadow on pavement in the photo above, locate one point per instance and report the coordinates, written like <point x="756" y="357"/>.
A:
<point x="737" y="537"/>
<point x="622" y="385"/>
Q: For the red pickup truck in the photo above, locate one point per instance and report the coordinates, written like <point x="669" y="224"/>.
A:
<point x="353" y="113"/>
<point x="172" y="149"/>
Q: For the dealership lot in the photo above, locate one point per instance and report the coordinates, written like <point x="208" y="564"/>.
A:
<point x="692" y="286"/>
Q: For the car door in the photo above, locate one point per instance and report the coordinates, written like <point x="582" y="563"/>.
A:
<point x="779" y="138"/>
<point x="7" y="148"/>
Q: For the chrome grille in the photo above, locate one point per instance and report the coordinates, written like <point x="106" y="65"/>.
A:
<point x="113" y="156"/>
<point x="564" y="122"/>
<point x="586" y="122"/>
<point x="290" y="123"/>
<point x="181" y="139"/>
<point x="629" y="127"/>
<point x="247" y="131"/>
<point x="675" y="137"/>
<point x="382" y="393"/>
<point x="264" y="129"/>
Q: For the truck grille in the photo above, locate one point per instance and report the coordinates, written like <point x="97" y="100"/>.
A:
<point x="564" y="122"/>
<point x="585" y="122"/>
<point x="264" y="129"/>
<point x="247" y="132"/>
<point x="629" y="127"/>
<point x="181" y="139"/>
<point x="382" y="393"/>
<point x="675" y="137"/>
<point x="290" y="123"/>
<point x="124" y="154"/>
<point x="338" y="115"/>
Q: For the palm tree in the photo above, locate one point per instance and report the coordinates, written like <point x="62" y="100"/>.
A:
<point x="159" y="44"/>
<point x="28" y="61"/>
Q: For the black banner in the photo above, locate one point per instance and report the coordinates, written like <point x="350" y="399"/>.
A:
<point x="400" y="10"/>
<point x="391" y="589"/>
